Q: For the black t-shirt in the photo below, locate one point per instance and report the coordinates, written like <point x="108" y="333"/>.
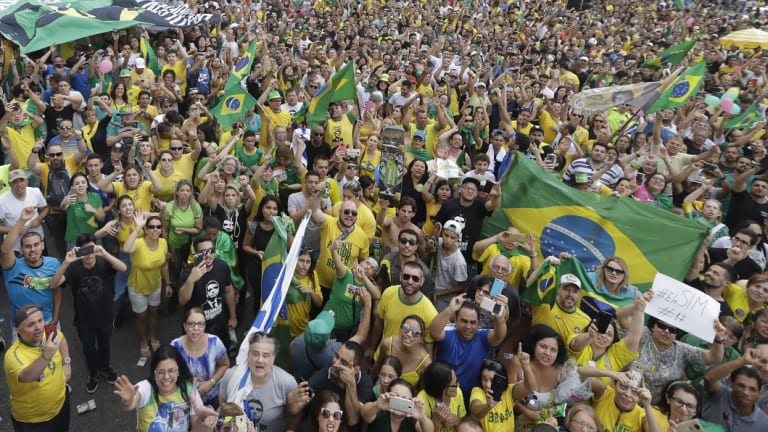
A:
<point x="92" y="290"/>
<point x="313" y="152"/>
<point x="744" y="269"/>
<point x="233" y="223"/>
<point x="725" y="308"/>
<point x="53" y="117"/>
<point x="472" y="217"/>
<point x="743" y="207"/>
<point x="322" y="380"/>
<point x="208" y="293"/>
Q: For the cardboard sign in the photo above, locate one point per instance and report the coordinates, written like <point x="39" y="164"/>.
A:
<point x="684" y="307"/>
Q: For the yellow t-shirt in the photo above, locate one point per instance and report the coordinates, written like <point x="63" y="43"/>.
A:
<point x="42" y="399"/>
<point x="298" y="305"/>
<point x="185" y="166"/>
<point x="501" y="418"/>
<point x="521" y="265"/>
<point x="141" y="196"/>
<point x="180" y="411"/>
<point x="169" y="185"/>
<point x="151" y="110"/>
<point x="339" y="131"/>
<point x="545" y="121"/>
<point x="456" y="407"/>
<point x="615" y="358"/>
<point x="22" y="142"/>
<point x="368" y="165"/>
<point x="736" y="297"/>
<point x="609" y="414"/>
<point x="145" y="275"/>
<point x="564" y="323"/>
<point x="392" y="310"/>
<point x="433" y="135"/>
<point x="366" y="221"/>
<point x="355" y="248"/>
<point x="180" y="69"/>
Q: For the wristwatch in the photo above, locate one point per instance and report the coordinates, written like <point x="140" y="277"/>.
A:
<point x="67" y="360"/>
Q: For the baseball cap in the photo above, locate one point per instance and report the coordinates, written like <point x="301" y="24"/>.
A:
<point x="584" y="58"/>
<point x="126" y="110"/>
<point x="453" y="227"/>
<point x="140" y="63"/>
<point x="125" y="73"/>
<point x="536" y="128"/>
<point x="420" y="134"/>
<point x="274" y="94"/>
<point x="117" y="146"/>
<point x="15" y="175"/>
<point x="480" y="84"/>
<point x="24" y="311"/>
<point x="472" y="180"/>
<point x="570" y="279"/>
<point x="318" y="330"/>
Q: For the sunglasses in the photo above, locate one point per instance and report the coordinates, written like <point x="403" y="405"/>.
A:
<point x="408" y="329"/>
<point x="406" y="277"/>
<point x="208" y="251"/>
<point x="176" y="148"/>
<point x="65" y="127"/>
<point x="408" y="241"/>
<point x="615" y="270"/>
<point x="59" y="154"/>
<point x="154" y="226"/>
<point x="667" y="328"/>
<point x="348" y="212"/>
<point x="328" y="413"/>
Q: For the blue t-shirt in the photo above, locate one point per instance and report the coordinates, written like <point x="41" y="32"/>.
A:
<point x="204" y="367"/>
<point x="27" y="285"/>
<point x="465" y="356"/>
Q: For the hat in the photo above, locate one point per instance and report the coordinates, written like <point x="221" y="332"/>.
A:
<point x="384" y="77"/>
<point x="274" y="94"/>
<point x="25" y="311"/>
<point x="140" y="63"/>
<point x="480" y="84"/>
<point x="411" y="79"/>
<point x="317" y="331"/>
<point x="125" y="73"/>
<point x="472" y="180"/>
<point x="377" y="97"/>
<point x="15" y="175"/>
<point x="570" y="279"/>
<point x="598" y="60"/>
<point x="424" y="48"/>
<point x="420" y="134"/>
<point x="454" y="227"/>
<point x="535" y="128"/>
<point x="117" y="146"/>
<point x="126" y="110"/>
<point x="584" y="58"/>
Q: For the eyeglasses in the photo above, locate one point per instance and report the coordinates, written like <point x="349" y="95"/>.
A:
<point x="348" y="212"/>
<point x="667" y="328"/>
<point x="412" y="242"/>
<point x="53" y="155"/>
<point x="65" y="127"/>
<point x="328" y="413"/>
<point x="406" y="277"/>
<point x="162" y="372"/>
<point x="154" y="226"/>
<point x="582" y="425"/>
<point x="194" y="324"/>
<point x="408" y="329"/>
<point x="681" y="403"/>
<point x="615" y="270"/>
<point x="176" y="148"/>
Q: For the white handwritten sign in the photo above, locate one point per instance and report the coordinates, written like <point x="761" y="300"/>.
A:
<point x="684" y="307"/>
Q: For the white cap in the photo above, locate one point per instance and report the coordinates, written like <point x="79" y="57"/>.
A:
<point x="570" y="279"/>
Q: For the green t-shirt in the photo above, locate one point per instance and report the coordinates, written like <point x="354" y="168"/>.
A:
<point x="178" y="218"/>
<point x="80" y="221"/>
<point x="345" y="307"/>
<point x="246" y="159"/>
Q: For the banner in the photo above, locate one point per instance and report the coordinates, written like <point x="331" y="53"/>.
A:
<point x="639" y="95"/>
<point x="35" y="24"/>
<point x="592" y="227"/>
<point x="684" y="307"/>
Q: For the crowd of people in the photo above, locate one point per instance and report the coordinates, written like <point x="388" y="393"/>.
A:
<point x="121" y="183"/>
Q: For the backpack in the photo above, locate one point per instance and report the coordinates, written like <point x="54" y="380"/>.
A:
<point x="58" y="188"/>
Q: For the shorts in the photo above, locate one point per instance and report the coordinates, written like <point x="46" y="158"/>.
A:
<point x="140" y="302"/>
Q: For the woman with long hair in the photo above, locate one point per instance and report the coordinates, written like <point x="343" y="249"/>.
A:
<point x="84" y="212"/>
<point x="204" y="354"/>
<point x="141" y="191"/>
<point x="442" y="397"/>
<point x="612" y="277"/>
<point x="182" y="221"/>
<point x="434" y="199"/>
<point x="412" y="185"/>
<point x="167" y="400"/>
<point x="325" y="413"/>
<point x="681" y="403"/>
<point x="390" y="370"/>
<point x="257" y="236"/>
<point x="149" y="269"/>
<point x="408" y="347"/>
<point x="381" y="417"/>
<point x="169" y="177"/>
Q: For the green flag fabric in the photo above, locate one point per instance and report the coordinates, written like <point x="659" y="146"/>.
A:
<point x="593" y="227"/>
<point x="746" y="119"/>
<point x="674" y="54"/>
<point x="233" y="106"/>
<point x="149" y="55"/>
<point x="341" y="86"/>
<point x="685" y="86"/>
<point x="242" y="68"/>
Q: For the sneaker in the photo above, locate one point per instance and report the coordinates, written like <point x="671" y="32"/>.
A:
<point x="109" y="375"/>
<point x="92" y="385"/>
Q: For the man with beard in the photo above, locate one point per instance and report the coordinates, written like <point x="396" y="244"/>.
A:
<point x="588" y="166"/>
<point x="716" y="279"/>
<point x="346" y="379"/>
<point x="564" y="316"/>
<point x="393" y="262"/>
<point x="462" y="344"/>
<point x="745" y="204"/>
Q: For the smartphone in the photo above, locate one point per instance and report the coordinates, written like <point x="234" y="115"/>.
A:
<point x="241" y="422"/>
<point x="83" y="251"/>
<point x="551" y="158"/>
<point x="342" y="149"/>
<point x="368" y="106"/>
<point x="353" y="152"/>
<point x="401" y="404"/>
<point x="72" y="191"/>
<point x="353" y="289"/>
<point x="198" y="258"/>
<point x="603" y="321"/>
<point x="487" y="187"/>
<point x="497" y="286"/>
<point x="498" y="385"/>
<point x="520" y="238"/>
<point x="692" y="425"/>
<point x="490" y="305"/>
<point x="635" y="375"/>
<point x="639" y="178"/>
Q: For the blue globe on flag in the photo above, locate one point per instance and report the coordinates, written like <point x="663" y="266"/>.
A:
<point x="681" y="89"/>
<point x="232" y="103"/>
<point x="242" y="64"/>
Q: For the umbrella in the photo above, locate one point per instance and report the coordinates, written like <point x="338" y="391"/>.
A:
<point x="750" y="38"/>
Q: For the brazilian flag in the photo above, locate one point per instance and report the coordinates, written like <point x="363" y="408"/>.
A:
<point x="674" y="54"/>
<point x="746" y="119"/>
<point x="341" y="86"/>
<point x="685" y="86"/>
<point x="242" y="67"/>
<point x="275" y="254"/>
<point x="233" y="106"/>
<point x="592" y="227"/>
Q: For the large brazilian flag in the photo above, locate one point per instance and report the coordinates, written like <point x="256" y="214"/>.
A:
<point x="592" y="227"/>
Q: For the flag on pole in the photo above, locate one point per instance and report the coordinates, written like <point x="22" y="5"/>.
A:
<point x="149" y="55"/>
<point x="674" y="54"/>
<point x="341" y="86"/>
<point x="593" y="227"/>
<point x="242" y="67"/>
<point x="233" y="105"/>
<point x="685" y="86"/>
<point x="746" y="119"/>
